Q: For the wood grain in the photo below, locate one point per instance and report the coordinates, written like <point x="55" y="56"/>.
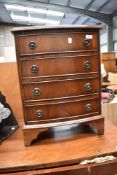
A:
<point x="61" y="88"/>
<point x="57" y="60"/>
<point x="64" y="110"/>
<point x="56" y="42"/>
<point x="15" y="157"/>
<point x="59" y="65"/>
<point x="56" y="153"/>
<point x="108" y="168"/>
<point x="67" y="170"/>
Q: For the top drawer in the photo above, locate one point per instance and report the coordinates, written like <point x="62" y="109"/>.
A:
<point x="57" y="42"/>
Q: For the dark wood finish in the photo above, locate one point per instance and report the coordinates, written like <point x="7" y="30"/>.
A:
<point x="47" y="28"/>
<point x="68" y="170"/>
<point x="34" y="133"/>
<point x="61" y="88"/>
<point x="60" y="65"/>
<point x="47" y="155"/>
<point x="59" y="74"/>
<point x="65" y="155"/>
<point x="108" y="168"/>
<point x="16" y="159"/>
<point x="52" y="112"/>
<point x="56" y="42"/>
<point x="97" y="125"/>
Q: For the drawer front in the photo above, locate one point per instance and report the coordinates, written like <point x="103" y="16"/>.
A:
<point x="59" y="66"/>
<point x="61" y="88"/>
<point x="109" y="168"/>
<point x="69" y="170"/>
<point x="62" y="110"/>
<point x="57" y="42"/>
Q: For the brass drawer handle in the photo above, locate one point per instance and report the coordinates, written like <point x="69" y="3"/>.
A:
<point x="32" y="45"/>
<point x="36" y="91"/>
<point x="86" y="42"/>
<point x="87" y="65"/>
<point x="34" y="69"/>
<point x="88" y="86"/>
<point x="88" y="107"/>
<point x="39" y="113"/>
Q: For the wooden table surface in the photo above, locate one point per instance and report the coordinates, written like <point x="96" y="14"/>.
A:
<point x="13" y="153"/>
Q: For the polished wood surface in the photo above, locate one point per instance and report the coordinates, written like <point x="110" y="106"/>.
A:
<point x="62" y="92"/>
<point x="46" y="28"/>
<point x="67" y="170"/>
<point x="61" y="88"/>
<point x="62" y="131"/>
<point x="15" y="157"/>
<point x="105" y="169"/>
<point x="56" y="42"/>
<point x="63" y="110"/>
<point x="59" y="65"/>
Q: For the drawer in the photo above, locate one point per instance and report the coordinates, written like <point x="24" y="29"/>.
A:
<point x="69" y="109"/>
<point x="61" y="88"/>
<point x="109" y="168"/>
<point x="66" y="170"/>
<point x="57" y="42"/>
<point x="59" y="66"/>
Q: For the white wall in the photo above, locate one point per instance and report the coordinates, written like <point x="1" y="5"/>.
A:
<point x="104" y="37"/>
<point x="115" y="33"/>
<point x="7" y="44"/>
<point x="104" y="40"/>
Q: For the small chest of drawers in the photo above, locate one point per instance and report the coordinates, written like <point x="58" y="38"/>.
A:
<point x="59" y="73"/>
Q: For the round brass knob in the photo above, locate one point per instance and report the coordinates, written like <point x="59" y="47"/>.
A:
<point x="86" y="42"/>
<point x="32" y="45"/>
<point x="88" y="107"/>
<point x="88" y="86"/>
<point x="34" y="69"/>
<point x="36" y="91"/>
<point x="87" y="65"/>
<point x="39" y="113"/>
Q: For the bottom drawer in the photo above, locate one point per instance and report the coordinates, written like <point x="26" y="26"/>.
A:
<point x="62" y="110"/>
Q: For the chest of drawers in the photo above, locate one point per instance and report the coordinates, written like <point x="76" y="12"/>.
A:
<point x="59" y="74"/>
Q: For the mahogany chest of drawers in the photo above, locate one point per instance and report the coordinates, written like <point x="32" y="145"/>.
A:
<point x="59" y="73"/>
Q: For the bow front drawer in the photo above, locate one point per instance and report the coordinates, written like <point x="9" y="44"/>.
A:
<point x="61" y="88"/>
<point x="56" y="42"/>
<point x="59" y="66"/>
<point x="62" y="110"/>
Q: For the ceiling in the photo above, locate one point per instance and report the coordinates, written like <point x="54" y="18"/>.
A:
<point x="57" y="12"/>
